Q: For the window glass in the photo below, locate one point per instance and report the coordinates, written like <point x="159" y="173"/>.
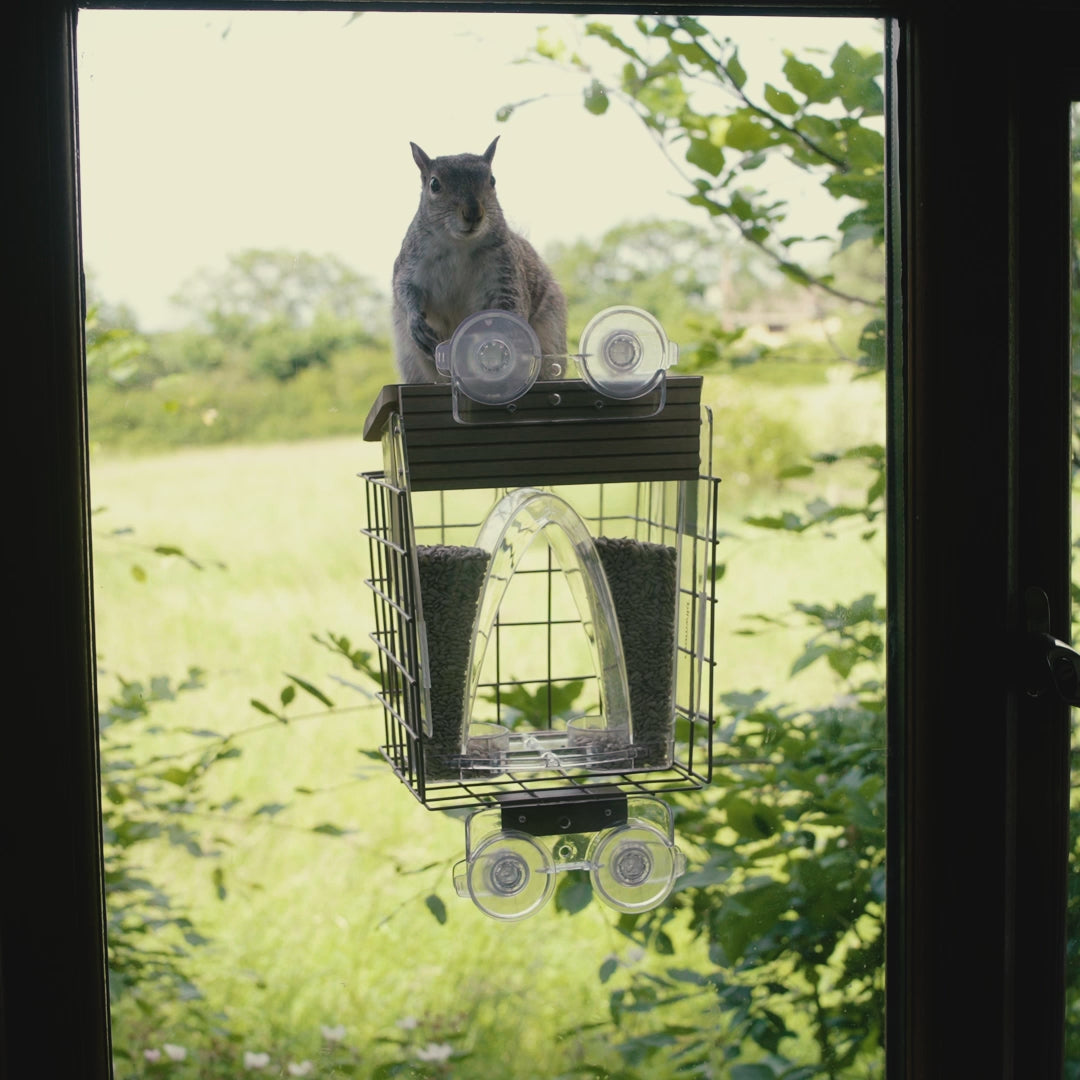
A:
<point x="278" y="903"/>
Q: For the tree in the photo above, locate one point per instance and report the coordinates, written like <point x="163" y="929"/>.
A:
<point x="673" y="269"/>
<point x="260" y="288"/>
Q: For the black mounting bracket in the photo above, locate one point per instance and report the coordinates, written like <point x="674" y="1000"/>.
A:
<point x="553" y="811"/>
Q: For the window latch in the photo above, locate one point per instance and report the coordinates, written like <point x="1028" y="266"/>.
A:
<point x="1049" y="663"/>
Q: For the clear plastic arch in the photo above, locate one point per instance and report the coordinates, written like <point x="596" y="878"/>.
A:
<point x="514" y="523"/>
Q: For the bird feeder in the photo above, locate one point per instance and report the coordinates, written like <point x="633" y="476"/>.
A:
<point x="543" y="559"/>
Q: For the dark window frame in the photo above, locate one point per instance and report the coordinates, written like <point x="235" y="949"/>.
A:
<point x="979" y="510"/>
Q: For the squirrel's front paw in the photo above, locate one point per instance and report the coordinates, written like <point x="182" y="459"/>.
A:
<point x="423" y="334"/>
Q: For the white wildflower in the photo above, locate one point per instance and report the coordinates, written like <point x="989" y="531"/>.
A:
<point x="408" y="1023"/>
<point x="435" y="1052"/>
<point x="174" y="1052"/>
<point x="300" y="1068"/>
<point x="333" y="1034"/>
<point x="152" y="1056"/>
<point x="254" y="1060"/>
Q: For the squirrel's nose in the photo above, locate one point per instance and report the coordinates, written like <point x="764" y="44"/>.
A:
<point x="472" y="213"/>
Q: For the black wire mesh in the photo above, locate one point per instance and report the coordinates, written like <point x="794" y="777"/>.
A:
<point x="399" y="523"/>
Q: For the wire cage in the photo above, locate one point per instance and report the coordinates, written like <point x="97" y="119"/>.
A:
<point x="497" y="683"/>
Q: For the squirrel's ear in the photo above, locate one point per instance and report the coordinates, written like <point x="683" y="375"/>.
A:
<point x="423" y="162"/>
<point x="489" y="153"/>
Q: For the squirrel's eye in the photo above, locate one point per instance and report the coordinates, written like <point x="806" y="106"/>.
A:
<point x="435" y="186"/>
<point x="493" y="181"/>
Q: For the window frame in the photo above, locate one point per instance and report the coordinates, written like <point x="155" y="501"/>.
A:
<point x="978" y="505"/>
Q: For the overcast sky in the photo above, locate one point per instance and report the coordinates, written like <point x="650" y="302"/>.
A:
<point x="207" y="133"/>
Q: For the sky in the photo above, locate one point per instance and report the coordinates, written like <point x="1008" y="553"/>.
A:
<point x="205" y="133"/>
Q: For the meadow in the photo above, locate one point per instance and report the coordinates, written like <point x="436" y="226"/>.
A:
<point x="346" y="948"/>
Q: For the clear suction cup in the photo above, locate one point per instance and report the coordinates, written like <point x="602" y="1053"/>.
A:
<point x="510" y="876"/>
<point x="493" y="357"/>
<point x="624" y="352"/>
<point x="634" y="867"/>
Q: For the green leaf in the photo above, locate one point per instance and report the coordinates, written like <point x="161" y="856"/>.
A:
<point x="287" y="694"/>
<point x="810" y="654"/>
<point x="752" y="1072"/>
<point x="746" y="132"/>
<point x="263" y="708"/>
<point x="176" y="776"/>
<point x="608" y="35"/>
<point x="573" y="893"/>
<point x="437" y="908"/>
<point x="807" y="80"/>
<point x="747" y="916"/>
<point x="706" y="155"/>
<point x="327" y="829"/>
<point x="138" y="573"/>
<point x="217" y="876"/>
<point x="314" y="691"/>
<point x="596" y="98"/>
<point x="663" y="944"/>
<point x="691" y="26"/>
<point x="780" y="100"/>
<point x="607" y="969"/>
<point x="751" y="820"/>
<point x="843" y="660"/>
<point x="736" y="71"/>
<point x="270" y="809"/>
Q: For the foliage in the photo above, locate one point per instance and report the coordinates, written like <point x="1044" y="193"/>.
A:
<point x="275" y="313"/>
<point x="672" y="269"/>
<point x="144" y="800"/>
<point x="690" y="90"/>
<point x="223" y="406"/>
<point x="116" y="352"/>
<point x="286" y="288"/>
<point x="283" y="345"/>
<point x="155" y="792"/>
<point x="788" y="886"/>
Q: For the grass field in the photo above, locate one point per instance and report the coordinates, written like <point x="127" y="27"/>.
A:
<point x="318" y="930"/>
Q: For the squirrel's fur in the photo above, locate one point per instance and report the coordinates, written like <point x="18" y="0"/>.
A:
<point x="458" y="257"/>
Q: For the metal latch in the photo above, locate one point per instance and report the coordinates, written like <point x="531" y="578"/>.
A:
<point x="1049" y="663"/>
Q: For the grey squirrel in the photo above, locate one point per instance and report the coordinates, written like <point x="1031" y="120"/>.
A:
<point x="458" y="257"/>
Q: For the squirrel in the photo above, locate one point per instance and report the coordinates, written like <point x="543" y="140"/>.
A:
<point x="459" y="257"/>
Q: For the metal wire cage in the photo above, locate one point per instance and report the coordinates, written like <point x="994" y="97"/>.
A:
<point x="536" y="680"/>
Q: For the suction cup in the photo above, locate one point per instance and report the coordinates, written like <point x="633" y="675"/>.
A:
<point x="493" y="357"/>
<point x="510" y="876"/>
<point x="634" y="866"/>
<point x="624" y="352"/>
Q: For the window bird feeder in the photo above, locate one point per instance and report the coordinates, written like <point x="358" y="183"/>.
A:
<point x="543" y="563"/>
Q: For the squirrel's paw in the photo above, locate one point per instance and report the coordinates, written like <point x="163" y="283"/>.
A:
<point x="423" y="334"/>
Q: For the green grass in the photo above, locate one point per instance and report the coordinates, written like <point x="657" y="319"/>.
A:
<point x="318" y="930"/>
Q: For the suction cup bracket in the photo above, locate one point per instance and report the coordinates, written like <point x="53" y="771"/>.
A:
<point x="631" y="858"/>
